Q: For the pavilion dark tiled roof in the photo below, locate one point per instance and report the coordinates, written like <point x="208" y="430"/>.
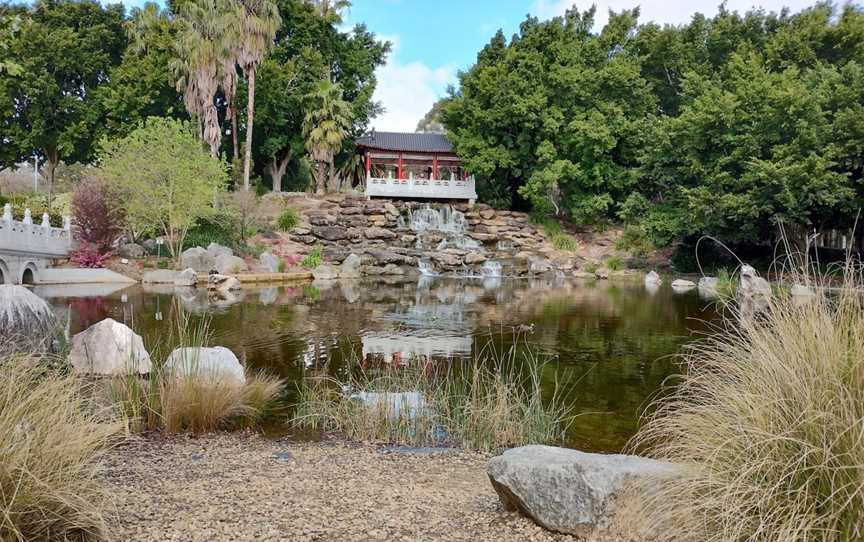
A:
<point x="406" y="142"/>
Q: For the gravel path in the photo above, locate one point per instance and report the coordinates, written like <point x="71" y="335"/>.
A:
<point x="245" y="487"/>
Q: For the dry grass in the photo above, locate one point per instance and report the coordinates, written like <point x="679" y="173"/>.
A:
<point x="488" y="403"/>
<point x="195" y="403"/>
<point x="51" y="443"/>
<point x="769" y="425"/>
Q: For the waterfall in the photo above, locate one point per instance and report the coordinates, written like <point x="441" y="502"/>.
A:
<point x="444" y="219"/>
<point x="426" y="269"/>
<point x="491" y="269"/>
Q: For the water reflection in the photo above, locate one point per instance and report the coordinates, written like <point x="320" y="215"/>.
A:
<point x="609" y="344"/>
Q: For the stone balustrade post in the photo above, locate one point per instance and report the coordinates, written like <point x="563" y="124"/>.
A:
<point x="28" y="217"/>
<point x="46" y="221"/>
<point x="7" y="212"/>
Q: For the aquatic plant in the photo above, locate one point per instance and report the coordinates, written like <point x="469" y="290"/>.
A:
<point x="767" y="425"/>
<point x="488" y="403"/>
<point x="51" y="442"/>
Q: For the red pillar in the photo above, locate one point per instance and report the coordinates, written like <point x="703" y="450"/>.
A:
<point x="401" y="171"/>
<point x="435" y="167"/>
<point x="368" y="164"/>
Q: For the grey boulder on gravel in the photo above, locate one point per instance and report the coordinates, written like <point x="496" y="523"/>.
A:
<point x="565" y="490"/>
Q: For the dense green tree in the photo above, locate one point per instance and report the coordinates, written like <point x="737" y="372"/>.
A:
<point x="167" y="181"/>
<point x="65" y="50"/>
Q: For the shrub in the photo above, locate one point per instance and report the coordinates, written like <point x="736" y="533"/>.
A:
<point x="50" y="447"/>
<point x="560" y="239"/>
<point x="288" y="219"/>
<point x="99" y="220"/>
<point x="590" y="267"/>
<point x="217" y="229"/>
<point x="313" y="259"/>
<point x="768" y="424"/>
<point x="635" y="241"/>
<point x="89" y="256"/>
<point x="488" y="403"/>
<point x="614" y="263"/>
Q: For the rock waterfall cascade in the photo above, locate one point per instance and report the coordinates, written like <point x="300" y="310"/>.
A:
<point x="491" y="268"/>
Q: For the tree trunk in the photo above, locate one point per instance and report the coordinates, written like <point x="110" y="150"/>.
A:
<point x="250" y="114"/>
<point x="53" y="158"/>
<point x="320" y="180"/>
<point x="276" y="170"/>
<point x="233" y="111"/>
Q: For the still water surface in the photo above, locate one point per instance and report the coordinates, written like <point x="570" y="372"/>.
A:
<point x="610" y="344"/>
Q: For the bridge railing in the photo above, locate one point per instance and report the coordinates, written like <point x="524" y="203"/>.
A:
<point x="25" y="237"/>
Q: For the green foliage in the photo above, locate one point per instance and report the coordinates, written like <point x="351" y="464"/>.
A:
<point x="723" y="126"/>
<point x="313" y="259"/>
<point x="560" y="239"/>
<point x="590" y="267"/>
<point x="634" y="240"/>
<point x="218" y="228"/>
<point x="64" y="50"/>
<point x="328" y="119"/>
<point x="167" y="181"/>
<point x="288" y="219"/>
<point x="614" y="263"/>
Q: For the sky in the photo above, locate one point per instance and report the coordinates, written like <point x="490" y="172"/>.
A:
<point x="433" y="40"/>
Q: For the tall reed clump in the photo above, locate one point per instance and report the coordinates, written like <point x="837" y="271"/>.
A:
<point x="768" y="425"/>
<point x="195" y="401"/>
<point x="51" y="442"/>
<point x="487" y="403"/>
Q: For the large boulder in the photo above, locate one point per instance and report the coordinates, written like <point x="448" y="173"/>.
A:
<point x="351" y="267"/>
<point x="227" y="264"/>
<point x="160" y="276"/>
<point x="133" y="251"/>
<point x="682" y="285"/>
<point x="198" y="259"/>
<point x="222" y="283"/>
<point x="216" y="250"/>
<point x="109" y="348"/>
<point x="217" y="364"/>
<point x="565" y="490"/>
<point x="25" y="317"/>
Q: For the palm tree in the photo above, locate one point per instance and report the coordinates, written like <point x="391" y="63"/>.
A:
<point x="201" y="48"/>
<point x="256" y="23"/>
<point x="326" y="125"/>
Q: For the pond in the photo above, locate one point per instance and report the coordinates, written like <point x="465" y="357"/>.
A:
<point x="610" y="345"/>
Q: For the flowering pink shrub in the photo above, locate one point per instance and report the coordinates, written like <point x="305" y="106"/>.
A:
<point x="98" y="217"/>
<point x="88" y="255"/>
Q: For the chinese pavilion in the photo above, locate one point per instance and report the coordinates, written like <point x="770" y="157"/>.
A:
<point x="414" y="166"/>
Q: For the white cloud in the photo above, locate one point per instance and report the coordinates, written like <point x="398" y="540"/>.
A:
<point x="407" y="91"/>
<point x="660" y="11"/>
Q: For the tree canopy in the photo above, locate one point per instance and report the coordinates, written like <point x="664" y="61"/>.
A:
<point x="723" y="126"/>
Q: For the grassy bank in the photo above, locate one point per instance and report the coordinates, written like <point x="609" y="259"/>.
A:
<point x="487" y="403"/>
<point x="769" y="423"/>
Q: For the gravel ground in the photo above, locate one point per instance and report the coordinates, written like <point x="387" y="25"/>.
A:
<point x="245" y="487"/>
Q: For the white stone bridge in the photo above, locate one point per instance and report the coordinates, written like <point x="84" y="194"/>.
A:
<point x="26" y="249"/>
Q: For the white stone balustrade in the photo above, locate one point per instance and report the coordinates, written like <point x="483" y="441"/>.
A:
<point x="26" y="238"/>
<point x="410" y="188"/>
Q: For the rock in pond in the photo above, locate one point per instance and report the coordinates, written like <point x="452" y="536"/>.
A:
<point x="109" y="348"/>
<point x="603" y="273"/>
<point x="564" y="490"/>
<point x="222" y="283"/>
<point x="652" y="278"/>
<point x="325" y="272"/>
<point x="187" y="277"/>
<point x="24" y="315"/>
<point x="752" y="285"/>
<point x="682" y="285"/>
<point x="708" y="287"/>
<point x="217" y="364"/>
